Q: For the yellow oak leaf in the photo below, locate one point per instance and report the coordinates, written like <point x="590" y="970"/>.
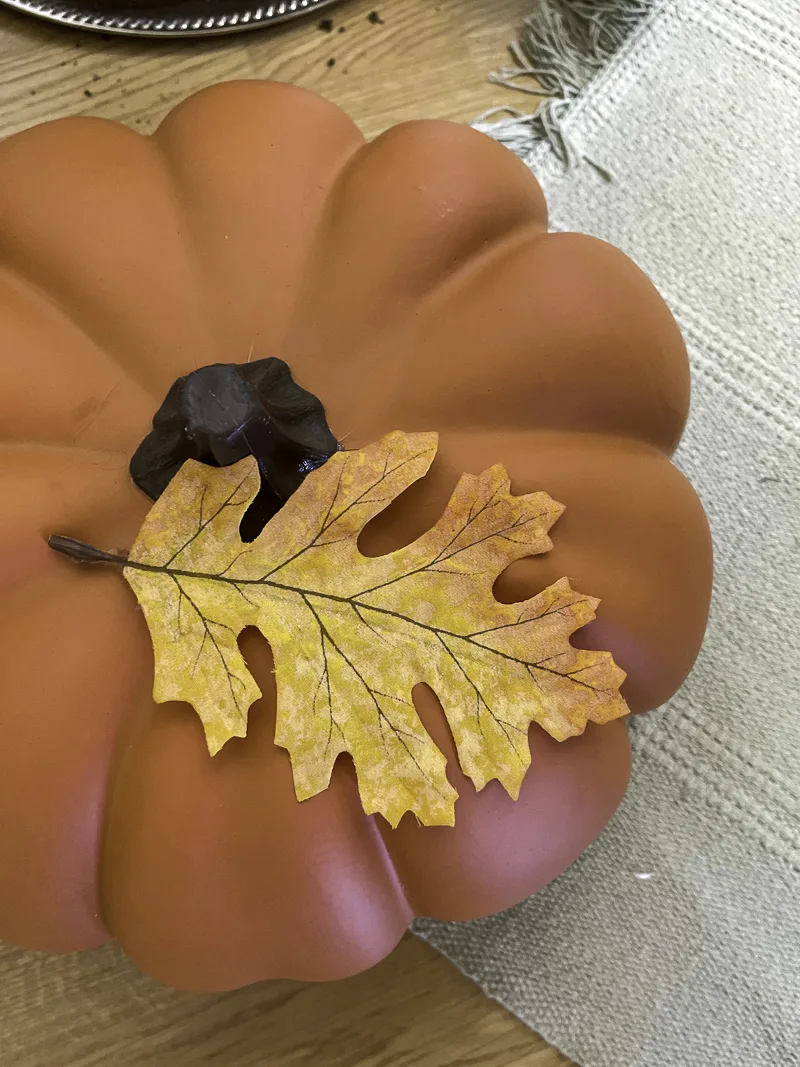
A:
<point x="352" y="636"/>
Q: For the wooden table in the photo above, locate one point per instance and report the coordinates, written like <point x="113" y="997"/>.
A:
<point x="424" y="59"/>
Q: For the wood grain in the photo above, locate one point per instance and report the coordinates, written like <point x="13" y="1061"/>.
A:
<point x="414" y="1010"/>
<point x="424" y="60"/>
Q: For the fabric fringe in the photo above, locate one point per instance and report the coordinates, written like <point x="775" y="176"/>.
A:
<point x="564" y="43"/>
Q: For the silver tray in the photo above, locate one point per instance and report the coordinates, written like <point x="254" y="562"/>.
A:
<point x="171" y="18"/>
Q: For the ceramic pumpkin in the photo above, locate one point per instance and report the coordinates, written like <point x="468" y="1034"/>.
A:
<point x="410" y="284"/>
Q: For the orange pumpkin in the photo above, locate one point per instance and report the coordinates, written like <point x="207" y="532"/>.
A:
<point x="410" y="284"/>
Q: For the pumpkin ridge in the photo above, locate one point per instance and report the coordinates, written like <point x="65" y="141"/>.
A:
<point x="635" y="399"/>
<point x="135" y="251"/>
<point x="199" y="185"/>
<point x="466" y="222"/>
<point x="185" y="226"/>
<point x="21" y="280"/>
<point x="442" y="289"/>
<point x="58" y="447"/>
<point x="484" y="261"/>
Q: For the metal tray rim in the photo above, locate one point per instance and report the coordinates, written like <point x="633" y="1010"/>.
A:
<point x="157" y="22"/>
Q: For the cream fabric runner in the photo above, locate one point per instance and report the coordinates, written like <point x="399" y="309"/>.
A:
<point x="675" y="941"/>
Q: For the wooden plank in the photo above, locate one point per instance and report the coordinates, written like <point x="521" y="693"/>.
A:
<point x="423" y="60"/>
<point x="412" y="1010"/>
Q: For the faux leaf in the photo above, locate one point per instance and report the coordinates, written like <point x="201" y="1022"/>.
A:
<point x="351" y="636"/>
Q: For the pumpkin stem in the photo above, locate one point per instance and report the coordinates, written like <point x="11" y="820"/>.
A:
<point x="219" y="414"/>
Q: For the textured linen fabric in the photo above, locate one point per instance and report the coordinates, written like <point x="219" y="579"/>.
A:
<point x="675" y="940"/>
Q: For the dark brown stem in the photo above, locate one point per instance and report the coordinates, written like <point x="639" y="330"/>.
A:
<point x="83" y="553"/>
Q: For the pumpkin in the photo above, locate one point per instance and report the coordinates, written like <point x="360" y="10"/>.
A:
<point x="411" y="284"/>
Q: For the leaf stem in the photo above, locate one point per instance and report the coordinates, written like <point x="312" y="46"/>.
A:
<point x="83" y="553"/>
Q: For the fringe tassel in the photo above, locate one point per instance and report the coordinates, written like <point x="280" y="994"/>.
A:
<point x="562" y="46"/>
